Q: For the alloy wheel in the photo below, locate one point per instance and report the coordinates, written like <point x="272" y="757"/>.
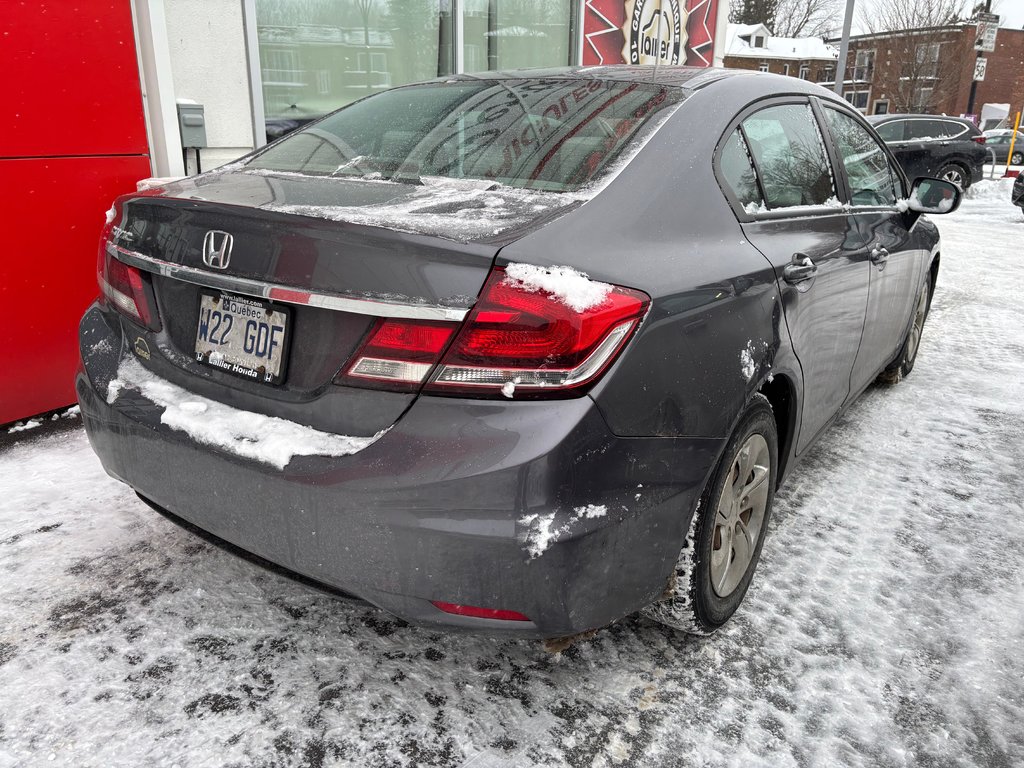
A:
<point x="954" y="175"/>
<point x="740" y="515"/>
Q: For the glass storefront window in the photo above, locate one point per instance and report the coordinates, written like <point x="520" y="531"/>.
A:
<point x="318" y="55"/>
<point x="509" y="34"/>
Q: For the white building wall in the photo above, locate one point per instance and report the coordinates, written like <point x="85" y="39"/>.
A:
<point x="206" y="41"/>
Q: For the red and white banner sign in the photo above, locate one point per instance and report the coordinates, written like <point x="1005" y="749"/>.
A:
<point x="643" y="31"/>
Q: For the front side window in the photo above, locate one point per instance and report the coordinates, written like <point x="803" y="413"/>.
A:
<point x="867" y="167"/>
<point x="789" y="156"/>
<point x="554" y="135"/>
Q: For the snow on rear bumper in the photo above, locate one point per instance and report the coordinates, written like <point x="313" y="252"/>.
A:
<point x="446" y="506"/>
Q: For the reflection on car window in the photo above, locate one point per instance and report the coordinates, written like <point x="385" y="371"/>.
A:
<point x="739" y="173"/>
<point x="867" y="167"/>
<point x="933" y="130"/>
<point x="891" y="131"/>
<point x="553" y="134"/>
<point x="789" y="156"/>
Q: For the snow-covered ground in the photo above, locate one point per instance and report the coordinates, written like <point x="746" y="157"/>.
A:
<point x="885" y="626"/>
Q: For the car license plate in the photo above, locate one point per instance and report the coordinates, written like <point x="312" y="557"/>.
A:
<point x="242" y="336"/>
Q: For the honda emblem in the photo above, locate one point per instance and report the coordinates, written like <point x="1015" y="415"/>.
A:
<point x="217" y="249"/>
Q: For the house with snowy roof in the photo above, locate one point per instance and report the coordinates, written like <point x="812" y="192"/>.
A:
<point x="752" y="46"/>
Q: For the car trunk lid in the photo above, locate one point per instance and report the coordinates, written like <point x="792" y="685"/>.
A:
<point x="333" y="278"/>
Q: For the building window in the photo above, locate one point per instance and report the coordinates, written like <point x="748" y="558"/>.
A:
<point x="323" y="81"/>
<point x="864" y="66"/>
<point x="927" y="58"/>
<point x="805" y="71"/>
<point x="763" y="66"/>
<point x="827" y="74"/>
<point x="858" y="99"/>
<point x="922" y="99"/>
<point x="881" y="107"/>
<point x="785" y="69"/>
<point x="759" y="41"/>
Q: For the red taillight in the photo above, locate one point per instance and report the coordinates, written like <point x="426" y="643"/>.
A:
<point x="519" y="339"/>
<point x="979" y="139"/>
<point x="398" y="354"/>
<point x="480" y="613"/>
<point x="125" y="289"/>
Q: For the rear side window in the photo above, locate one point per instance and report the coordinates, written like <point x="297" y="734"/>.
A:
<point x="867" y="167"/>
<point x="893" y="131"/>
<point x="554" y="135"/>
<point x="789" y="156"/>
<point x="933" y="130"/>
<point x="738" y="173"/>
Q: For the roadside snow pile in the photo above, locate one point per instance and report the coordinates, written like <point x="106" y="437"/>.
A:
<point x="22" y="426"/>
<point x="994" y="189"/>
<point x="267" y="439"/>
<point x="572" y="288"/>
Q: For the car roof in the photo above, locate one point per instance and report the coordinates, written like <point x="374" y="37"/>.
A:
<point x="909" y="116"/>
<point x="687" y="78"/>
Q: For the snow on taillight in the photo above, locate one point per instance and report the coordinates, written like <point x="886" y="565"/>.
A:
<point x="527" y="336"/>
<point x="979" y="139"/>
<point x="398" y="354"/>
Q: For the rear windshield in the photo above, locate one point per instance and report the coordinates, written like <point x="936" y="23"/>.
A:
<point x="552" y="135"/>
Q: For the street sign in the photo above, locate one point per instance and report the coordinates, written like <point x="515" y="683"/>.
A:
<point x="985" y="39"/>
<point x="980" y="65"/>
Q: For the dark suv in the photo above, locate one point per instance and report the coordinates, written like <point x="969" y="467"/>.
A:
<point x="934" y="145"/>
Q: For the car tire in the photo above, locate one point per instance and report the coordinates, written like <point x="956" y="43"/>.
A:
<point x="898" y="369"/>
<point x="957" y="174"/>
<point x="1017" y="158"/>
<point x="712" y="573"/>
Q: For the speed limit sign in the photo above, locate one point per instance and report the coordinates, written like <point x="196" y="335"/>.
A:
<point x="980" y="65"/>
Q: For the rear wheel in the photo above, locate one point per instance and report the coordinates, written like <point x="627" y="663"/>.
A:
<point x="1017" y="158"/>
<point x="904" y="362"/>
<point x="956" y="174"/>
<point x="724" y="542"/>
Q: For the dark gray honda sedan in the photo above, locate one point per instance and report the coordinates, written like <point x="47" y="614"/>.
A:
<point x="523" y="352"/>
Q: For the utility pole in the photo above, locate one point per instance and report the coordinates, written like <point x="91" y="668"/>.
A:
<point x="844" y="49"/>
<point x="974" y="81"/>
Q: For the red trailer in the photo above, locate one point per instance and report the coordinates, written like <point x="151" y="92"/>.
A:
<point x="72" y="137"/>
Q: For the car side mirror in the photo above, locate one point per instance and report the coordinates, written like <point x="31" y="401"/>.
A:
<point x="934" y="196"/>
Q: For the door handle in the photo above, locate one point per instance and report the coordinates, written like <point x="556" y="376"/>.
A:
<point x="879" y="255"/>
<point x="800" y="269"/>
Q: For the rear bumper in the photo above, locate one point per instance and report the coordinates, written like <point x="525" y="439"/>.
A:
<point x="434" y="510"/>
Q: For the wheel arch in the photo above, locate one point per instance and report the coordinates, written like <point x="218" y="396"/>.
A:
<point x="933" y="271"/>
<point x="781" y="394"/>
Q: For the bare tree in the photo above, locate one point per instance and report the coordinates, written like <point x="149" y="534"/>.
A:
<point x="895" y="15"/>
<point x="787" y="18"/>
<point x="924" y="47"/>
<point x="805" y="18"/>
